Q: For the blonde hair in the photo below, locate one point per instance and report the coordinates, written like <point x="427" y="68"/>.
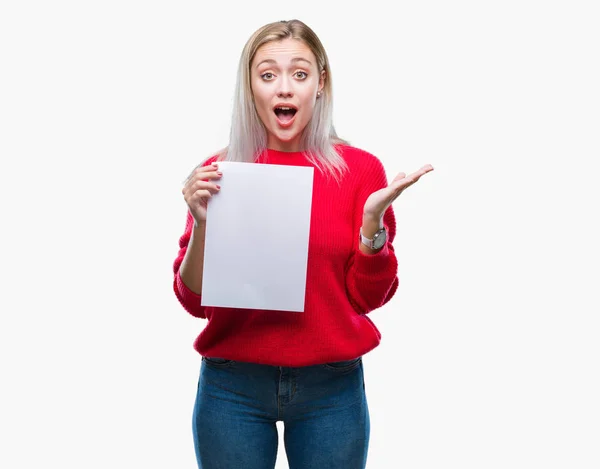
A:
<point x="248" y="137"/>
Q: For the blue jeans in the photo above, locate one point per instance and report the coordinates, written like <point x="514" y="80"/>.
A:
<point x="323" y="408"/>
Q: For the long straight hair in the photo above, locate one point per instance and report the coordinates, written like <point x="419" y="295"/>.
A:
<point x="248" y="136"/>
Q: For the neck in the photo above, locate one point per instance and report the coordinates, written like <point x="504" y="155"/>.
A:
<point x="289" y="147"/>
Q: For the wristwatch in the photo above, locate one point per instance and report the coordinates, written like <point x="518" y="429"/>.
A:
<point x="378" y="240"/>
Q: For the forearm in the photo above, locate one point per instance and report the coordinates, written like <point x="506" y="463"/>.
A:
<point x="371" y="276"/>
<point x="192" y="266"/>
<point x="370" y="226"/>
<point x="372" y="279"/>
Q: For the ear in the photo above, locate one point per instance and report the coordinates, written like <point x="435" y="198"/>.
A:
<point x="322" y="80"/>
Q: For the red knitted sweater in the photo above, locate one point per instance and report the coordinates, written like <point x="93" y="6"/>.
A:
<point x="343" y="284"/>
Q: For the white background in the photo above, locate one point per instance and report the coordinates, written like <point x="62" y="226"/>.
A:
<point x="490" y="351"/>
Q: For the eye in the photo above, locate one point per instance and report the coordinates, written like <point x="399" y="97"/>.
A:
<point x="302" y="75"/>
<point x="267" y="76"/>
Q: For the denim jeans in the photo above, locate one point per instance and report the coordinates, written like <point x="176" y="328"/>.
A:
<point x="323" y="409"/>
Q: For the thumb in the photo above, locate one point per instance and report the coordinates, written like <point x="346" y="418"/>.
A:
<point x="399" y="176"/>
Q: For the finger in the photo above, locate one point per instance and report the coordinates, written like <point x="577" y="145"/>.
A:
<point x="401" y="184"/>
<point x="207" y="175"/>
<point x="210" y="187"/>
<point x="424" y="170"/>
<point x="203" y="172"/>
<point x="414" y="177"/>
<point x="199" y="197"/>
<point x="213" y="174"/>
<point x="421" y="171"/>
<point x="195" y="171"/>
<point x="201" y="186"/>
<point x="200" y="181"/>
<point x="399" y="177"/>
<point x="193" y="185"/>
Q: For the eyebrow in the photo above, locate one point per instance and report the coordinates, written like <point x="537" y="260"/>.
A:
<point x="294" y="60"/>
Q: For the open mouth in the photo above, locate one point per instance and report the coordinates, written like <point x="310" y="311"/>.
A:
<point x="285" y="114"/>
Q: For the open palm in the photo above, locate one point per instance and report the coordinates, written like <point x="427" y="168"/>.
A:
<point x="379" y="201"/>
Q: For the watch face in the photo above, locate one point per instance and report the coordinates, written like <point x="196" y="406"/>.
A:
<point x="379" y="239"/>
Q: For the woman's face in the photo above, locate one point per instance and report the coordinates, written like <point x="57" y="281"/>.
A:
<point x="285" y="80"/>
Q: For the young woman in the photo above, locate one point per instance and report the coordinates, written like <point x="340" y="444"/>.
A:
<point x="305" y="369"/>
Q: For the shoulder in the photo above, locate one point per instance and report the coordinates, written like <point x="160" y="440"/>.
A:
<point x="365" y="170"/>
<point x="358" y="159"/>
<point x="217" y="156"/>
<point x="210" y="160"/>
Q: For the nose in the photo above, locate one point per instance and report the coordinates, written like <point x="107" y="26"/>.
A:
<point x="285" y="87"/>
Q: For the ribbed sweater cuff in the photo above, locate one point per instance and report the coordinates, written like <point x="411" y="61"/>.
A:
<point x="378" y="263"/>
<point x="191" y="301"/>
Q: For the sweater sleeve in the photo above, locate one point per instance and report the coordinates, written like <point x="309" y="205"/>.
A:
<point x="190" y="300"/>
<point x="371" y="279"/>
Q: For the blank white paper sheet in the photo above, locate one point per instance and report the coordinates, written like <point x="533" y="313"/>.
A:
<point x="257" y="229"/>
